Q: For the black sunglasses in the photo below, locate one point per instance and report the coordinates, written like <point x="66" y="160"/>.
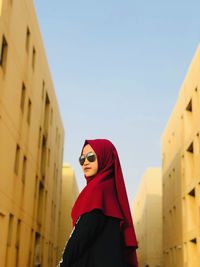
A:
<point x="90" y="157"/>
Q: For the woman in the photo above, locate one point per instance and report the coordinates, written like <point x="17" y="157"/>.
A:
<point x="103" y="233"/>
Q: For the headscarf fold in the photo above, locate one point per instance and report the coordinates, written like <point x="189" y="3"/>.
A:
<point x="106" y="191"/>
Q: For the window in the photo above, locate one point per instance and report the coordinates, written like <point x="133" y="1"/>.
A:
<point x="33" y="58"/>
<point x="189" y="164"/>
<point x="18" y="233"/>
<point x="4" y="50"/>
<point x="193" y="252"/>
<point x="197" y="144"/>
<point x="39" y="136"/>
<point x="190" y="148"/>
<point x="191" y="210"/>
<point x="17" y="244"/>
<point x="27" y="39"/>
<point x="10" y="229"/>
<point x="189" y="106"/>
<point x="36" y="182"/>
<point x="194" y="240"/>
<point x="24" y="169"/>
<point x="196" y="100"/>
<point x="22" y="97"/>
<point x="43" y="86"/>
<point x="192" y="192"/>
<point x="29" y="111"/>
<point x="46" y="114"/>
<point x="40" y="204"/>
<point x="16" y="167"/>
<point x="37" y="251"/>
<point x="43" y="157"/>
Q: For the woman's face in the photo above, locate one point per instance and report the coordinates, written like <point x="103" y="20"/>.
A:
<point x="89" y="168"/>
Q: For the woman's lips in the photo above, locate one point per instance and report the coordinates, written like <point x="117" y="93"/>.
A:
<point x="86" y="169"/>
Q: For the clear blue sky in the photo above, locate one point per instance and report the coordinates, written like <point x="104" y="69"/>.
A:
<point x="117" y="68"/>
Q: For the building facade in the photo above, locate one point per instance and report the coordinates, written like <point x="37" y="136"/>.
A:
<point x="181" y="175"/>
<point x="31" y="143"/>
<point x="147" y="218"/>
<point x="70" y="193"/>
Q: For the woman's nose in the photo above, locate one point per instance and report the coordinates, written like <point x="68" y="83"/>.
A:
<point x="86" y="161"/>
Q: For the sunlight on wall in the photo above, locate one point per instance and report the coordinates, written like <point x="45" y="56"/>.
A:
<point x="0" y="6"/>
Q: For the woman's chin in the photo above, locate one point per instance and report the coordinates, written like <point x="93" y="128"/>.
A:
<point x="89" y="175"/>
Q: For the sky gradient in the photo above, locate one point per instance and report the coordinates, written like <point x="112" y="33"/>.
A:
<point x="117" y="68"/>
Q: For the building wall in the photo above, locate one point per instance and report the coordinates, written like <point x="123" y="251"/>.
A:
<point x="181" y="179"/>
<point x="70" y="193"/>
<point x="31" y="142"/>
<point x="147" y="218"/>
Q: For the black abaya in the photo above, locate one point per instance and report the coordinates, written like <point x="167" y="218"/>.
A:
<point x="95" y="241"/>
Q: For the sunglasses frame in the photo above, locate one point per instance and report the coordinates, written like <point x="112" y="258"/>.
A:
<point x="87" y="158"/>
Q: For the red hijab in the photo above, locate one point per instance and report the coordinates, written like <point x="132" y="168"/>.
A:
<point x="106" y="191"/>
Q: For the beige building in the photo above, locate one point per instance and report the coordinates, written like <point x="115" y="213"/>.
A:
<point x="147" y="218"/>
<point x="70" y="193"/>
<point x="181" y="175"/>
<point x="31" y="143"/>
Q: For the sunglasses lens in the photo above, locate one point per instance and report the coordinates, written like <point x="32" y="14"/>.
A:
<point x="82" y="159"/>
<point x="91" y="157"/>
